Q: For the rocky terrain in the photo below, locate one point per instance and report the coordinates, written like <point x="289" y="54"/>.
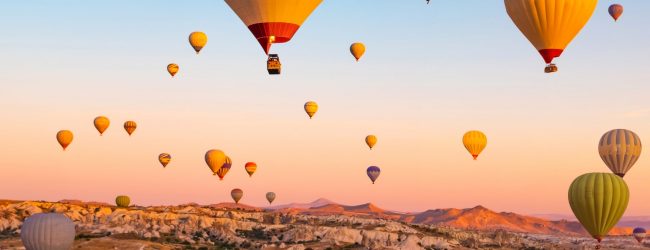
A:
<point x="322" y="226"/>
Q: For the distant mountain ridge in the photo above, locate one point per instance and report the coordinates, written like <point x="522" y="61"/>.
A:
<point x="478" y="218"/>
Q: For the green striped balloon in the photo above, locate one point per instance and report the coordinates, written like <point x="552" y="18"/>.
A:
<point x="122" y="201"/>
<point x="599" y="201"/>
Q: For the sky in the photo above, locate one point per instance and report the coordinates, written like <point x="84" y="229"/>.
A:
<point x="430" y="73"/>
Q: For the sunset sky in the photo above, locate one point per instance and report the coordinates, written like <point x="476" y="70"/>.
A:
<point x="430" y="73"/>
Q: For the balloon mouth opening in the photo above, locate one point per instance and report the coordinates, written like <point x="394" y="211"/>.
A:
<point x="475" y="157"/>
<point x="620" y="175"/>
<point x="550" y="54"/>
<point x="598" y="238"/>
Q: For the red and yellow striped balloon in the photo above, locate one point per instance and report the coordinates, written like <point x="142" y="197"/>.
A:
<point x="250" y="168"/>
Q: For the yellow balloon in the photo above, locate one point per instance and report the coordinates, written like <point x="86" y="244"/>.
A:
<point x="101" y="124"/>
<point x="474" y="141"/>
<point x="198" y="40"/>
<point x="215" y="159"/>
<point x="64" y="137"/>
<point x="172" y="68"/>
<point x="371" y="140"/>
<point x="311" y="108"/>
<point x="130" y="126"/>
<point x="357" y="50"/>
<point x="550" y="25"/>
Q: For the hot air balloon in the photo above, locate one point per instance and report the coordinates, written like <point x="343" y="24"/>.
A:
<point x="215" y="159"/>
<point x="474" y="141"/>
<point x="130" y="126"/>
<point x="198" y="40"/>
<point x="236" y="194"/>
<point x="311" y="108"/>
<point x="164" y="159"/>
<point x="270" y="196"/>
<point x="223" y="170"/>
<point x="371" y="140"/>
<point x="122" y="201"/>
<point x="373" y="173"/>
<point x="64" y="137"/>
<point x="357" y="50"/>
<point x="101" y="124"/>
<point x="172" y="68"/>
<point x="639" y="234"/>
<point x="48" y="231"/>
<point x="598" y="200"/>
<point x="615" y="10"/>
<point x="250" y="168"/>
<point x="273" y="21"/>
<point x="550" y="25"/>
<point x="619" y="149"/>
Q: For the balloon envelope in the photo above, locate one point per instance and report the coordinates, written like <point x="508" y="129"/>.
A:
<point x="273" y="21"/>
<point x="172" y="68"/>
<point x="311" y="108"/>
<point x="64" y="137"/>
<point x="101" y="124"/>
<point x="371" y="140"/>
<point x="373" y="173"/>
<point x="164" y="159"/>
<point x="198" y="40"/>
<point x="215" y="159"/>
<point x="122" y="201"/>
<point x="619" y="149"/>
<point x="474" y="141"/>
<point x="48" y="231"/>
<point x="357" y="50"/>
<point x="598" y="200"/>
<point x="639" y="234"/>
<point x="236" y="194"/>
<point x="250" y="167"/>
<point x="130" y="126"/>
<point x="615" y="10"/>
<point x="270" y="196"/>
<point x="224" y="168"/>
<point x="550" y="25"/>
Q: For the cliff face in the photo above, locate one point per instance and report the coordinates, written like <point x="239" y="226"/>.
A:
<point x="247" y="227"/>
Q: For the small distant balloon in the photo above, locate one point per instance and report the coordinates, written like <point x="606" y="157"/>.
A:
<point x="223" y="170"/>
<point x="250" y="167"/>
<point x="311" y="108"/>
<point x="639" y="234"/>
<point x="64" y="137"/>
<point x="198" y="40"/>
<point x="474" y="141"/>
<point x="215" y="159"/>
<point x="101" y="124"/>
<point x="236" y="194"/>
<point x="357" y="50"/>
<point x="122" y="201"/>
<point x="164" y="159"/>
<point x="47" y="231"/>
<point x="615" y="10"/>
<point x="270" y="196"/>
<point x="130" y="126"/>
<point x="172" y="68"/>
<point x="371" y="140"/>
<point x="373" y="173"/>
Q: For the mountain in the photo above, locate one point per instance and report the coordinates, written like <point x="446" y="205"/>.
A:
<point x="626" y="221"/>
<point x="317" y="203"/>
<point x="476" y="218"/>
<point x="482" y="218"/>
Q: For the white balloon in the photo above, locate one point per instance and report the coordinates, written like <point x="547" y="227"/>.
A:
<point x="48" y="231"/>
